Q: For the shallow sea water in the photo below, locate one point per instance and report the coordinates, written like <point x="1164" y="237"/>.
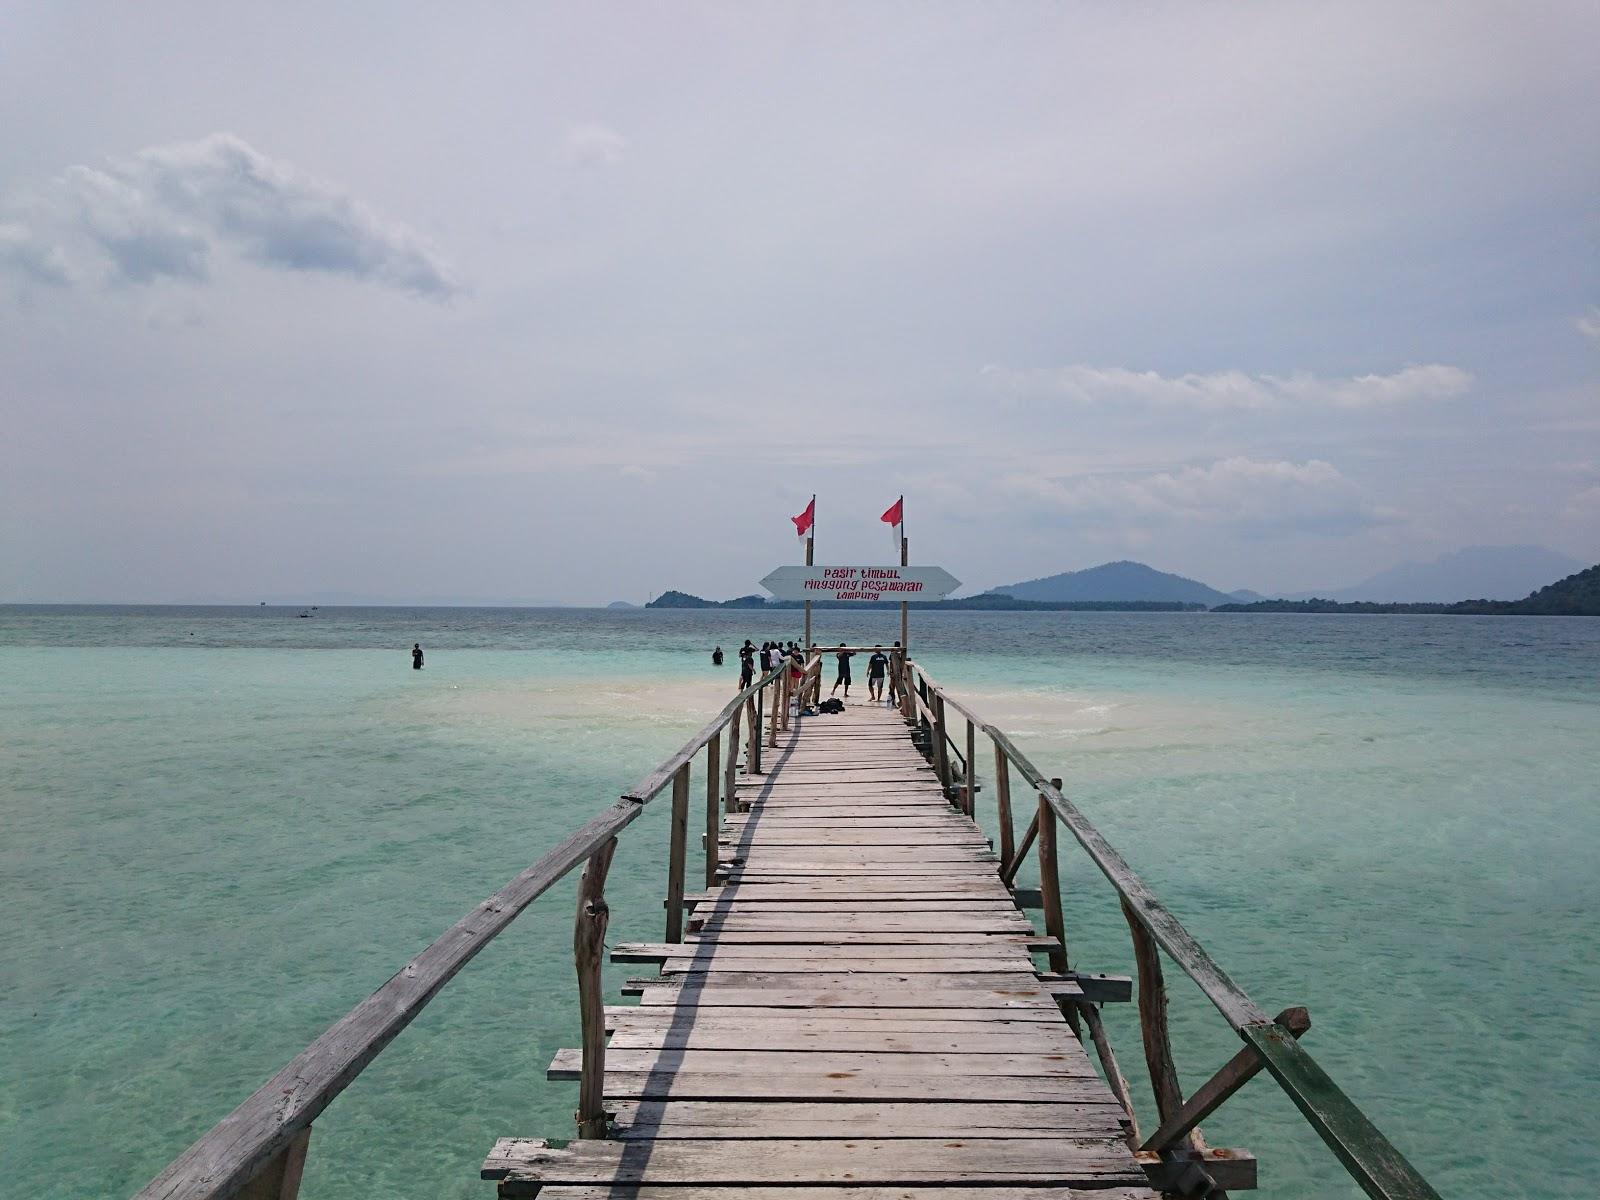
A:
<point x="221" y="828"/>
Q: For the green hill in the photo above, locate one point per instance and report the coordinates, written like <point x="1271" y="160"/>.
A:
<point x="1575" y="596"/>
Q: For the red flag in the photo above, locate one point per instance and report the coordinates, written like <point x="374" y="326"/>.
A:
<point x="896" y="514"/>
<point x="803" y="523"/>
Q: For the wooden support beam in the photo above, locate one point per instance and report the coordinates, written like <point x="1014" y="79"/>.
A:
<point x="279" y="1179"/>
<point x="1050" y="891"/>
<point x="677" y="853"/>
<point x="713" y="806"/>
<point x="588" y="942"/>
<point x="752" y="758"/>
<point x="972" y="768"/>
<point x="1021" y="856"/>
<point x="1200" y="1172"/>
<point x="1153" y="1027"/>
<point x="730" y="798"/>
<point x="941" y="743"/>
<point x="1234" y="1074"/>
<point x="1115" y="1080"/>
<point x="1002" y="790"/>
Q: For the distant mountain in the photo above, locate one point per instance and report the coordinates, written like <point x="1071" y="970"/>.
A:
<point x="1117" y="581"/>
<point x="621" y="604"/>
<point x="1246" y="596"/>
<point x="1477" y="572"/>
<point x="670" y="599"/>
<point x="689" y="600"/>
<point x="1575" y="596"/>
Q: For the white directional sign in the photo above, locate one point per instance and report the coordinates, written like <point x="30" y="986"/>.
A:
<point x="871" y="585"/>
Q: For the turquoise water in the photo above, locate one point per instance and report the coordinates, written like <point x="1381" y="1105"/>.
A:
<point x="219" y="829"/>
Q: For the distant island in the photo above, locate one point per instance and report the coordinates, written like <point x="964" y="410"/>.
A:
<point x="1575" y="596"/>
<point x="1119" y="581"/>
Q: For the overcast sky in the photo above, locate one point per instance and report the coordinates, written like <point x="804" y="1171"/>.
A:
<point x="574" y="303"/>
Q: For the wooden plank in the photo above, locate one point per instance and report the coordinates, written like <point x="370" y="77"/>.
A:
<point x="716" y="964"/>
<point x="808" y="995"/>
<point x="799" y="1085"/>
<point x="823" y="1191"/>
<point x="640" y="1016"/>
<point x="912" y="1038"/>
<point x="969" y="947"/>
<point x="999" y="919"/>
<point x="635" y="1119"/>
<point x="775" y="1065"/>
<point x="795" y="1162"/>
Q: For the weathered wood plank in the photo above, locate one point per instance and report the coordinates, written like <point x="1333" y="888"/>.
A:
<point x="792" y="1163"/>
<point x="777" y="1064"/>
<point x="821" y="1192"/>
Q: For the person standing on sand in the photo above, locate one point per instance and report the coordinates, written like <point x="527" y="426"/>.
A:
<point x="416" y="656"/>
<point x="747" y="664"/>
<point x="843" y="677"/>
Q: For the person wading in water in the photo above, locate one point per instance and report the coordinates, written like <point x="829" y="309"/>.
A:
<point x="416" y="656"/>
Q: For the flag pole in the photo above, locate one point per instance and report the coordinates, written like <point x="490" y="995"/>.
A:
<point x="810" y="537"/>
<point x="905" y="639"/>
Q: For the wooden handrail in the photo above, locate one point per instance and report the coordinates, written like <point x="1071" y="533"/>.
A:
<point x="263" y="1131"/>
<point x="1371" y="1160"/>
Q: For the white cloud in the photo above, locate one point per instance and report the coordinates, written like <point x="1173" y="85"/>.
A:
<point x="1249" y="495"/>
<point x="594" y="145"/>
<point x="30" y="257"/>
<point x="163" y="213"/>
<point x="1223" y="390"/>
<point x="1589" y="323"/>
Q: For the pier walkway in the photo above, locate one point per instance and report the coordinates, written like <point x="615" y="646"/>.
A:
<point x="858" y="994"/>
<point x="850" y="1003"/>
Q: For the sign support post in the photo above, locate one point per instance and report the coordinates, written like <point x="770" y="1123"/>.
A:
<point x="806" y="649"/>
<point x="905" y="638"/>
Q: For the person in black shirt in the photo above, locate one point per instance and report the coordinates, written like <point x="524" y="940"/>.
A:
<point x="747" y="664"/>
<point x="877" y="666"/>
<point x="416" y="656"/>
<point x="716" y="657"/>
<point x="844" y="657"/>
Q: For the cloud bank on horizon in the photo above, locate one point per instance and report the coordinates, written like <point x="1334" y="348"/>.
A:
<point x="1272" y="297"/>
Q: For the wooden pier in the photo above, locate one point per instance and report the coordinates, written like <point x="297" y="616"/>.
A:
<point x="850" y="1003"/>
<point x="858" y="993"/>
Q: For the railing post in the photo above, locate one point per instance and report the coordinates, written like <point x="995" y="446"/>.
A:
<point x="1002" y="797"/>
<point x="777" y="702"/>
<point x="941" y="744"/>
<point x="279" y="1177"/>
<point x="730" y="793"/>
<point x="752" y="759"/>
<point x="1153" y="1023"/>
<point x="588" y="944"/>
<point x="972" y="771"/>
<point x="713" y="815"/>
<point x="677" y="852"/>
<point x="1050" y="897"/>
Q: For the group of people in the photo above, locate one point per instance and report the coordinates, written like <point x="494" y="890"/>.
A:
<point x="882" y="669"/>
